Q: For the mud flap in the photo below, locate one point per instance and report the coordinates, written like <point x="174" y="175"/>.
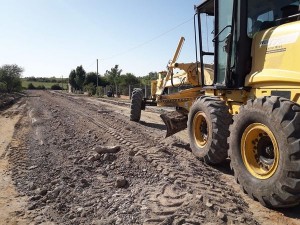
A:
<point x="175" y="122"/>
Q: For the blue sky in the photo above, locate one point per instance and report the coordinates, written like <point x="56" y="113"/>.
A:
<point x="52" y="37"/>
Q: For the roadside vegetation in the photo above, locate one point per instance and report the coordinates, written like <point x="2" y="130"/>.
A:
<point x="10" y="78"/>
<point x="112" y="80"/>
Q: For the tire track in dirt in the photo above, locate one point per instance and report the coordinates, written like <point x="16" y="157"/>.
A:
<point x="12" y="202"/>
<point x="166" y="184"/>
<point x="263" y="215"/>
<point x="185" y="185"/>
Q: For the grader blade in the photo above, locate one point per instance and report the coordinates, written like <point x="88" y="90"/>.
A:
<point x="175" y="122"/>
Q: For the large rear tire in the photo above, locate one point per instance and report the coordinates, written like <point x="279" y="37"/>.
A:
<point x="208" y="128"/>
<point x="136" y="104"/>
<point x="265" y="151"/>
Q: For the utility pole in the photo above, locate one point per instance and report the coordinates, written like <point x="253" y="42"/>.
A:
<point x="97" y="73"/>
<point x="62" y="82"/>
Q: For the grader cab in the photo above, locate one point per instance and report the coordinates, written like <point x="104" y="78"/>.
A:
<point x="245" y="104"/>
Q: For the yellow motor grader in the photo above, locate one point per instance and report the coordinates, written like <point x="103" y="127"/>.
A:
<point x="245" y="103"/>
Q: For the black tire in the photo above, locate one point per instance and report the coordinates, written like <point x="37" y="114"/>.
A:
<point x="277" y="184"/>
<point x="136" y="104"/>
<point x="209" y="140"/>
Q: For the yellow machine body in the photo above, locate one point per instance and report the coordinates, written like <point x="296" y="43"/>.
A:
<point x="275" y="64"/>
<point x="275" y="71"/>
<point x="260" y="136"/>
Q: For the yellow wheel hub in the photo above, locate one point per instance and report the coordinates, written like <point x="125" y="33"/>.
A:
<point x="260" y="152"/>
<point x="201" y="131"/>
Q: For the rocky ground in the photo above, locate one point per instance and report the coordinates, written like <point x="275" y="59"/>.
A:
<point x="79" y="160"/>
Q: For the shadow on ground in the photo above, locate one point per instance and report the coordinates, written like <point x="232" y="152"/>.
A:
<point x="291" y="212"/>
<point x="154" y="125"/>
<point x="224" y="167"/>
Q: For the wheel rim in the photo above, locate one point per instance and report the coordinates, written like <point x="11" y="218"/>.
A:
<point x="201" y="130"/>
<point x="260" y="152"/>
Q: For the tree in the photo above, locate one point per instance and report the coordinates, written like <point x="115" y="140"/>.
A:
<point x="146" y="80"/>
<point x="90" y="89"/>
<point x="129" y="79"/>
<point x="31" y="86"/>
<point x="10" y="76"/>
<point x="113" y="76"/>
<point x="77" y="78"/>
<point x="80" y="77"/>
<point x="72" y="81"/>
<point x="91" y="77"/>
<point x="126" y="80"/>
<point x="90" y="83"/>
<point x="56" y="87"/>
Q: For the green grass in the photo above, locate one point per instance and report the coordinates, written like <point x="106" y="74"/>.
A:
<point x="36" y="84"/>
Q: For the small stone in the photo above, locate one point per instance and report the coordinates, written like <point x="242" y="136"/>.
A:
<point x="91" y="158"/>
<point x="121" y="182"/>
<point x="32" y="206"/>
<point x="107" y="149"/>
<point x="65" y="146"/>
<point x="97" y="156"/>
<point x="35" y="198"/>
<point x="221" y="215"/>
<point x="57" y="190"/>
<point x="132" y="153"/>
<point x="80" y="161"/>
<point x="31" y="186"/>
<point x="104" y="173"/>
<point x="84" y="182"/>
<point x="43" y="192"/>
<point x="32" y="167"/>
<point x="53" y="182"/>
<point x="209" y="204"/>
<point x="79" y="209"/>
<point x="200" y="197"/>
<point x="106" y="157"/>
<point x="127" y="128"/>
<point x="119" y="221"/>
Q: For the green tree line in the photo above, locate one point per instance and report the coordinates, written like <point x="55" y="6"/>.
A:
<point x="114" y="78"/>
<point x="46" y="79"/>
<point x="10" y="80"/>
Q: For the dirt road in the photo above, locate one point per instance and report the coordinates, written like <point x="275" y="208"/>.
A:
<point x="59" y="179"/>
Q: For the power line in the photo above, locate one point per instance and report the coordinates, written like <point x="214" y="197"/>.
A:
<point x="93" y="63"/>
<point x="147" y="42"/>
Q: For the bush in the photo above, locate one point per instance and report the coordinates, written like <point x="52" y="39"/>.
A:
<point x="100" y="91"/>
<point x="10" y="76"/>
<point x="90" y="89"/>
<point x="56" y="87"/>
<point x="2" y="87"/>
<point x="30" y="86"/>
<point x="41" y="87"/>
<point x="17" y="85"/>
